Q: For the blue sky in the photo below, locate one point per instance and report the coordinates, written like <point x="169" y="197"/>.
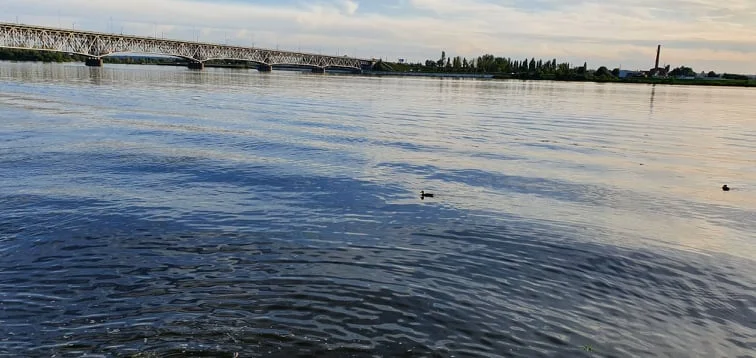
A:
<point x="704" y="34"/>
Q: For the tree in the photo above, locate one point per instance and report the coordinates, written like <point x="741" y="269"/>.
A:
<point x="581" y="70"/>
<point x="616" y="72"/>
<point x="503" y="65"/>
<point x="442" y="61"/>
<point x="464" y="63"/>
<point x="378" y="66"/>
<point x="683" y="71"/>
<point x="730" y="76"/>
<point x="563" y="70"/>
<point x="603" y="73"/>
<point x="712" y="74"/>
<point x="34" y="55"/>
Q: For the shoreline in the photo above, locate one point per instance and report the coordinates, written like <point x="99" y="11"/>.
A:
<point x="716" y="82"/>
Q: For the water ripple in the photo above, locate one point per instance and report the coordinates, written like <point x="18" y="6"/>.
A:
<point x="155" y="211"/>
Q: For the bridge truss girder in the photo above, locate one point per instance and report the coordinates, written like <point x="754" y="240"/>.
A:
<point x="96" y="45"/>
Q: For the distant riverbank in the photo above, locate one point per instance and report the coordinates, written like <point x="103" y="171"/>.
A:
<point x="393" y="69"/>
<point x="686" y="82"/>
<point x="428" y="74"/>
<point x="651" y="80"/>
<point x="645" y="80"/>
<point x="488" y="66"/>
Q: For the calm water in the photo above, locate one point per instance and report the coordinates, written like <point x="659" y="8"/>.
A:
<point x="170" y="213"/>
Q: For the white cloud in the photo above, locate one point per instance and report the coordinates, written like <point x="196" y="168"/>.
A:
<point x="350" y="6"/>
<point x="611" y="32"/>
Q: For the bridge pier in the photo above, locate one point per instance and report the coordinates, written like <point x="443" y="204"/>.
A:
<point x="95" y="46"/>
<point x="318" y="70"/>
<point x="93" y="62"/>
<point x="196" y="65"/>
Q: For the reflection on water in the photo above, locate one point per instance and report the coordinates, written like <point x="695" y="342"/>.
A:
<point x="653" y="94"/>
<point x="175" y="212"/>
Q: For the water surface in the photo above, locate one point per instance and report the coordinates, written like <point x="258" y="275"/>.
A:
<point x="172" y="212"/>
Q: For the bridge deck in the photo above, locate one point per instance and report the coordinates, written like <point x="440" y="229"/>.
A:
<point x="97" y="44"/>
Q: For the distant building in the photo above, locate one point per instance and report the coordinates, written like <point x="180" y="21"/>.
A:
<point x="658" y="71"/>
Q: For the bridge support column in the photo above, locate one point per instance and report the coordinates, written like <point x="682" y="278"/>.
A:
<point x="318" y="70"/>
<point x="265" y="68"/>
<point x="196" y="65"/>
<point x="93" y="62"/>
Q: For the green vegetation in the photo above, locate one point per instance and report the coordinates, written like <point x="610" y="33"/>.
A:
<point x="173" y="61"/>
<point x="551" y="69"/>
<point x="490" y="65"/>
<point x="683" y="71"/>
<point x="694" y="81"/>
<point x="143" y="60"/>
<point x="8" y="54"/>
<point x="51" y="56"/>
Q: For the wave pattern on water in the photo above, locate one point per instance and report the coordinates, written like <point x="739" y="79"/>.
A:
<point x="156" y="211"/>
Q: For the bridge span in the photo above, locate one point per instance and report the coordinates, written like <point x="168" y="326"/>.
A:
<point x="95" y="45"/>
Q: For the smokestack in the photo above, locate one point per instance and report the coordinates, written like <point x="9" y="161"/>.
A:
<point x="658" y="51"/>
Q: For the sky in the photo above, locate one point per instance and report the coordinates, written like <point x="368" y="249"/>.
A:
<point x="703" y="34"/>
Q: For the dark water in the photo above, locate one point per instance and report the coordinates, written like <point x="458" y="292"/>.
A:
<point x="150" y="211"/>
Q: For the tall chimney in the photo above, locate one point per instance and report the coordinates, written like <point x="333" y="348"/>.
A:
<point x="658" y="51"/>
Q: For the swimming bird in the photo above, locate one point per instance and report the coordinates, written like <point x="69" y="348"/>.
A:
<point x="424" y="195"/>
<point x="725" y="187"/>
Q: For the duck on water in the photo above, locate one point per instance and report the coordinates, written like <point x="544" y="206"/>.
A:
<point x="424" y="195"/>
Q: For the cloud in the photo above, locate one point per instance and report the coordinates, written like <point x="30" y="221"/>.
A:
<point x="610" y="32"/>
<point x="350" y="6"/>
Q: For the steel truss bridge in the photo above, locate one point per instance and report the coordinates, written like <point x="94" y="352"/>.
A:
<point x="95" y="45"/>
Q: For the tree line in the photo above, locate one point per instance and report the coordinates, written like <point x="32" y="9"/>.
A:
<point x="10" y="54"/>
<point x="526" y="68"/>
<point x="502" y="67"/>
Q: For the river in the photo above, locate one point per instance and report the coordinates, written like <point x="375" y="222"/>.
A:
<point x="158" y="211"/>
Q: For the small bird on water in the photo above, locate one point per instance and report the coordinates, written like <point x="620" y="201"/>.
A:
<point x="424" y="195"/>
<point x="725" y="187"/>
